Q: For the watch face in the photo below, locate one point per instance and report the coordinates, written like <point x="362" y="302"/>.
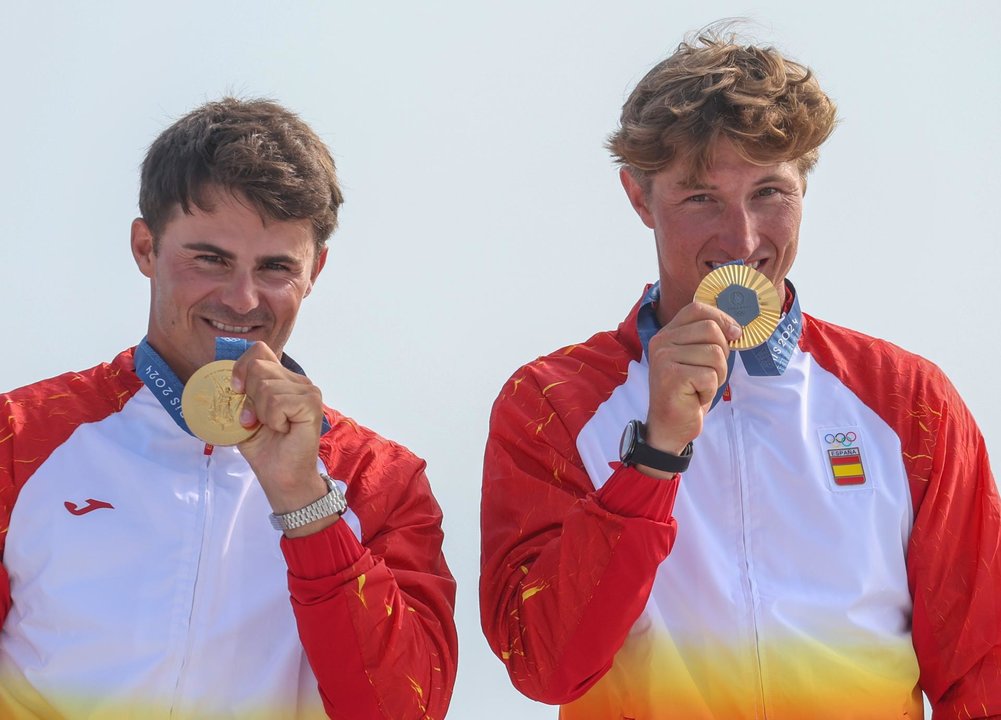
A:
<point x="628" y="442"/>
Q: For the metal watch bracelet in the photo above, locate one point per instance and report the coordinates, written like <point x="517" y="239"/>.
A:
<point x="333" y="503"/>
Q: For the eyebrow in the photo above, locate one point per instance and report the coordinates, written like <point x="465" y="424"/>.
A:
<point x="226" y="254"/>
<point x="700" y="186"/>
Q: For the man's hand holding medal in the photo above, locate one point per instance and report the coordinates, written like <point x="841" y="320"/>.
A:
<point x="273" y="415"/>
<point x="734" y="308"/>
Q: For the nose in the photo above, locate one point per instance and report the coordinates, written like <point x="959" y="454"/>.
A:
<point x="240" y="293"/>
<point x="738" y="232"/>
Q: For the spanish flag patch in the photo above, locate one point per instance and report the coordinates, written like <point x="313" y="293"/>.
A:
<point x="846" y="464"/>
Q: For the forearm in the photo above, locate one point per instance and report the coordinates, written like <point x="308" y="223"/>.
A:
<point x="560" y="592"/>
<point x="977" y="695"/>
<point x="954" y="562"/>
<point x="377" y="650"/>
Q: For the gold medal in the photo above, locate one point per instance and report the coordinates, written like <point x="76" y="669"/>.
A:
<point x="211" y="408"/>
<point x="745" y="295"/>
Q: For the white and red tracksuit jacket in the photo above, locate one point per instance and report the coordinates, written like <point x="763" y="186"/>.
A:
<point x="832" y="550"/>
<point x="142" y="579"/>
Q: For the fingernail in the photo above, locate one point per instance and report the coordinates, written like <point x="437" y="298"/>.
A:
<point x="736" y="331"/>
<point x="246" y="416"/>
<point x="237" y="384"/>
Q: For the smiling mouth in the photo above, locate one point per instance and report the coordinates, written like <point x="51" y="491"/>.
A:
<point x="234" y="329"/>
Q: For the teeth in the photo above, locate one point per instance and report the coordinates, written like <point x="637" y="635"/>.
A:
<point x="230" y="328"/>
<point x="752" y="265"/>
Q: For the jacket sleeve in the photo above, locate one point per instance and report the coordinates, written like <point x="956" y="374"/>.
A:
<point x="7" y="495"/>
<point x="376" y="617"/>
<point x="954" y="560"/>
<point x="565" y="570"/>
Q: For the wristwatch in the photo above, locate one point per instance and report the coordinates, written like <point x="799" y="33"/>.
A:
<point x="633" y="450"/>
<point x="333" y="503"/>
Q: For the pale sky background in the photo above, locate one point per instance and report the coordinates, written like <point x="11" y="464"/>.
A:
<point x="484" y="222"/>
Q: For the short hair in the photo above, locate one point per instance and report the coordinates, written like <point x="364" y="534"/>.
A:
<point x="255" y="148"/>
<point x="712" y="87"/>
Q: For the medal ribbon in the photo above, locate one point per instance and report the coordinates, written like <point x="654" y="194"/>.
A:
<point x="161" y="380"/>
<point x="167" y="387"/>
<point x="227" y="348"/>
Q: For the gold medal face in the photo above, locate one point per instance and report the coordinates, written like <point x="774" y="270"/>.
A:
<point x="747" y="296"/>
<point x="211" y="408"/>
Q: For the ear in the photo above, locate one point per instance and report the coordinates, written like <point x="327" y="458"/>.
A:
<point x="637" y="195"/>
<point x="321" y="260"/>
<point x="142" y="246"/>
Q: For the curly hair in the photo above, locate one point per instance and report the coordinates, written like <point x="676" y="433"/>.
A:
<point x="256" y="148"/>
<point x="770" y="107"/>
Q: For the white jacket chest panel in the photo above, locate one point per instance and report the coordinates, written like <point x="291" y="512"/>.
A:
<point x="768" y="547"/>
<point x="152" y="598"/>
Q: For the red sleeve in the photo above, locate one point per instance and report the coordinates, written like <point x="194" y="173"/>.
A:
<point x="954" y="562"/>
<point x="565" y="570"/>
<point x="8" y="493"/>
<point x="376" y="618"/>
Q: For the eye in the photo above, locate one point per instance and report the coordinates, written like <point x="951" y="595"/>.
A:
<point x="700" y="198"/>
<point x="767" y="191"/>
<point x="276" y="266"/>
<point x="210" y="259"/>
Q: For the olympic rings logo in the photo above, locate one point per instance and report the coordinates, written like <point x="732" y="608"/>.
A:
<point x="843" y="439"/>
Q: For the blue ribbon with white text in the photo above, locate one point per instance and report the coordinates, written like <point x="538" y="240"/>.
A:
<point x="161" y="380"/>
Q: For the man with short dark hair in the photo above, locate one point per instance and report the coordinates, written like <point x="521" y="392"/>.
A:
<point x="727" y="508"/>
<point x="142" y="575"/>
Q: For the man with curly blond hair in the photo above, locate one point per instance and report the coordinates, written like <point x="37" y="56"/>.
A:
<point x="678" y="525"/>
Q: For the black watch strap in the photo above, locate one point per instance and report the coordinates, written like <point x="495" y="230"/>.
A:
<point x="633" y="450"/>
